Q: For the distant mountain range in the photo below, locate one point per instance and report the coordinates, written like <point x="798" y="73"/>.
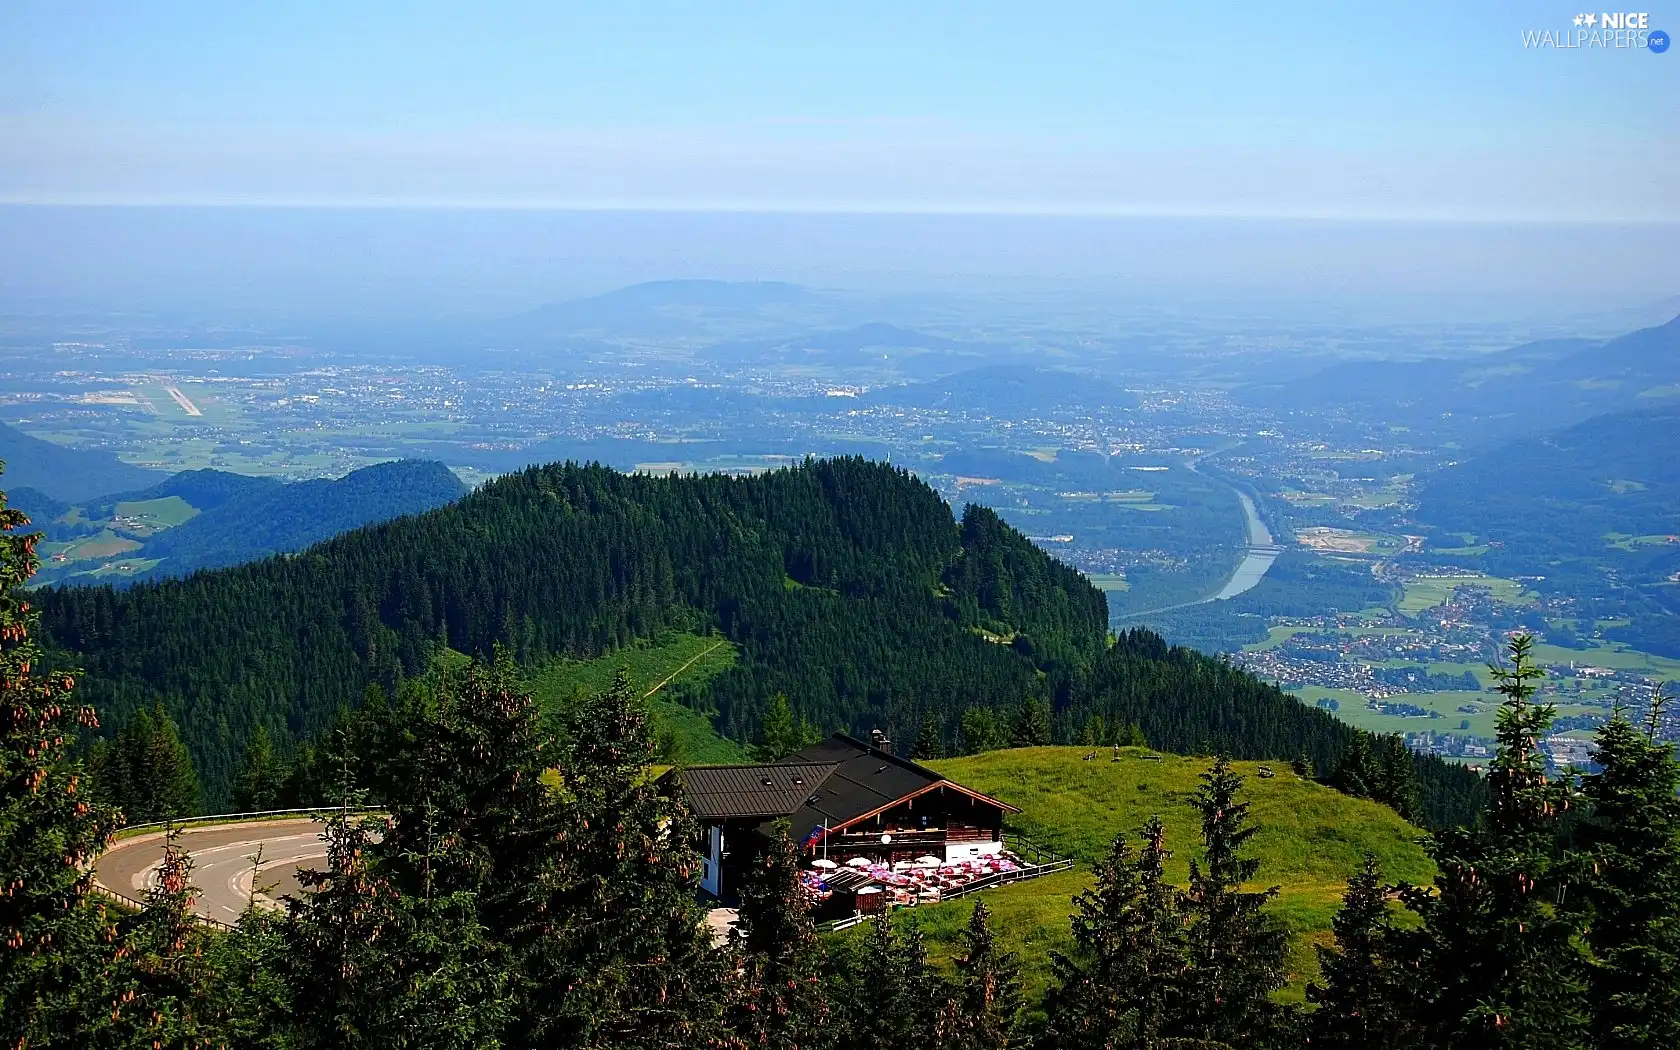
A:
<point x="66" y="473"/>
<point x="200" y="519"/>
<point x="1618" y="472"/>
<point x="1591" y="509"/>
<point x="1523" y="390"/>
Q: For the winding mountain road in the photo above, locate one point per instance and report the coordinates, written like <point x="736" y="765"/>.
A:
<point x="224" y="863"/>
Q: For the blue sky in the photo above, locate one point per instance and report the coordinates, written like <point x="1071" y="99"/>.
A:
<point x="1390" y="111"/>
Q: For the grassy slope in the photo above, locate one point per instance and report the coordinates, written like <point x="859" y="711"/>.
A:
<point x="1310" y="839"/>
<point x="658" y="666"/>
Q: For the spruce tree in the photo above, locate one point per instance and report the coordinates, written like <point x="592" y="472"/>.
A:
<point x="892" y="996"/>
<point x="251" y="998"/>
<point x="463" y="757"/>
<point x="1302" y="765"/>
<point x="1499" y="962"/>
<point x="930" y="738"/>
<point x="1237" y="950"/>
<point x="1396" y="781"/>
<point x="166" y="986"/>
<point x="782" y="733"/>
<point x="146" y="770"/>
<point x="983" y="1010"/>
<point x="1629" y="866"/>
<point x="1031" y="727"/>
<point x="262" y="777"/>
<point x="981" y="731"/>
<point x="369" y="966"/>
<point x="55" y="937"/>
<point x="627" y="958"/>
<point x="780" y="1002"/>
<point x="1358" y="993"/>
<point x="1093" y="731"/>
<point x="1357" y="772"/>
<point x="1122" y="985"/>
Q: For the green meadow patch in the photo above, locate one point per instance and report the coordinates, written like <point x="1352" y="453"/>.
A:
<point x="659" y="670"/>
<point x="1311" y="839"/>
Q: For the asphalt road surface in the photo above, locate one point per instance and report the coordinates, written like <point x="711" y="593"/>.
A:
<point x="223" y="863"/>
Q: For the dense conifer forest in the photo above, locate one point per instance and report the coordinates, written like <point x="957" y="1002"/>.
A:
<point x="528" y="884"/>
<point x="847" y="585"/>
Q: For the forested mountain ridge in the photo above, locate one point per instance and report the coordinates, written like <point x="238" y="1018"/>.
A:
<point x="1602" y="526"/>
<point x="253" y="522"/>
<point x="66" y="473"/>
<point x="200" y="519"/>
<point x="827" y="576"/>
<point x="845" y="584"/>
<point x="1484" y="398"/>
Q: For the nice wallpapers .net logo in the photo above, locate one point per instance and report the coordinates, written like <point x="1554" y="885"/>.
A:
<point x="1600" y="30"/>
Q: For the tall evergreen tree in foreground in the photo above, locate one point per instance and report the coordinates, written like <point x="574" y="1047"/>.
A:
<point x="1123" y="985"/>
<point x="369" y="966"/>
<point x="627" y="959"/>
<point x="930" y="738"/>
<point x="1360" y="987"/>
<point x="1503" y="964"/>
<point x="1031" y="727"/>
<point x="780" y="1002"/>
<point x="166" y="992"/>
<point x="892" y="996"/>
<point x="982" y="1012"/>
<point x="1630" y="886"/>
<point x="55" y="939"/>
<point x="1236" y="949"/>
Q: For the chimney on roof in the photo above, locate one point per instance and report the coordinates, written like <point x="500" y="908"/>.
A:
<point x="879" y="741"/>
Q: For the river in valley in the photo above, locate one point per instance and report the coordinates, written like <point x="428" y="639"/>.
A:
<point x="1263" y="550"/>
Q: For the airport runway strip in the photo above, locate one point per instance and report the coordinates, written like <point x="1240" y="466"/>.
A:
<point x="224" y="863"/>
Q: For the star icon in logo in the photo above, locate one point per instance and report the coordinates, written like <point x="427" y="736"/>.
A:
<point x="1592" y="20"/>
<point x="1580" y="19"/>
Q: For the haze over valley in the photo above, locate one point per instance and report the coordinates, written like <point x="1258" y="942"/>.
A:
<point x="778" y="527"/>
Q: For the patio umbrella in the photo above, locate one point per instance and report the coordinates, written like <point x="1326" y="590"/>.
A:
<point x="929" y="861"/>
<point x="858" y="862"/>
<point x="823" y="862"/>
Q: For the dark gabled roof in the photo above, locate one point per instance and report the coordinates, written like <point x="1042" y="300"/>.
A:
<point x="829" y="784"/>
<point x="733" y="792"/>
<point x="864" y="782"/>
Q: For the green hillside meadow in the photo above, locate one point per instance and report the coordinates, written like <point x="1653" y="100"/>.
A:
<point x="664" y="670"/>
<point x="1311" y="838"/>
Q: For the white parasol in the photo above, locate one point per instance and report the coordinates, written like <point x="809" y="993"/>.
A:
<point x="823" y="862"/>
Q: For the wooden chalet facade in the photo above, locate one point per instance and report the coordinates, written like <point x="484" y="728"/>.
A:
<point x="842" y="799"/>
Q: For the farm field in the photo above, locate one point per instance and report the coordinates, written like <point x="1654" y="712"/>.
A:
<point x="156" y="514"/>
<point x="1610" y="654"/>
<point x="103" y="544"/>
<point x="1428" y="592"/>
<point x="1354" y="712"/>
<point x="1311" y="838"/>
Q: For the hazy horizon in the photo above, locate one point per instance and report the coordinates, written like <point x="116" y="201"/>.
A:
<point x="419" y="161"/>
<point x="373" y="263"/>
